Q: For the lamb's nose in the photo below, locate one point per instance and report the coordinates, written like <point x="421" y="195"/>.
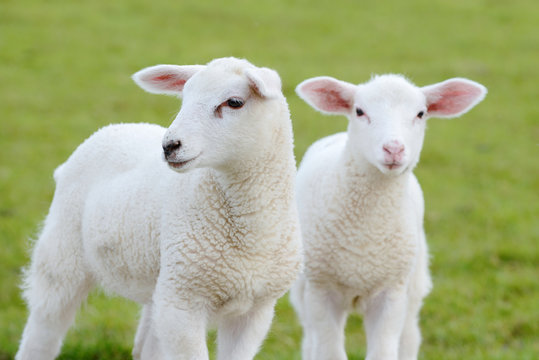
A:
<point x="393" y="149"/>
<point x="170" y="147"/>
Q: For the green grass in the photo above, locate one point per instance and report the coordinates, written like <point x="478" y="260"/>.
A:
<point x="64" y="72"/>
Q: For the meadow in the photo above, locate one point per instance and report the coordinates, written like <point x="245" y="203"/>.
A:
<point x="65" y="70"/>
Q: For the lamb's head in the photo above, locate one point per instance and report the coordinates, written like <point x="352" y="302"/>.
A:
<point x="387" y="115"/>
<point x="227" y="109"/>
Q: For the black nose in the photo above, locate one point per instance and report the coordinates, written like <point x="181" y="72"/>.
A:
<point x="171" y="146"/>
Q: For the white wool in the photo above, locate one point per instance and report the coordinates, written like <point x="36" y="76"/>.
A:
<point x="361" y="213"/>
<point x="213" y="245"/>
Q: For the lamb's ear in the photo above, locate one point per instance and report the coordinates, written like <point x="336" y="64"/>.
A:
<point x="328" y="95"/>
<point x="453" y="97"/>
<point x="264" y="82"/>
<point x="165" y="79"/>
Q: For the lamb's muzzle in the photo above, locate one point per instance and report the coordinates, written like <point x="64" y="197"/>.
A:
<point x="171" y="147"/>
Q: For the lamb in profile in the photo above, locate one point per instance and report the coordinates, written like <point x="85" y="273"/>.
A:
<point x="361" y="213"/>
<point x="208" y="237"/>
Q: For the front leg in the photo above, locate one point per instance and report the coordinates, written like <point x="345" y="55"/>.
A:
<point x="146" y="342"/>
<point x="179" y="323"/>
<point x="240" y="337"/>
<point x="385" y="315"/>
<point x="181" y="333"/>
<point x="324" y="318"/>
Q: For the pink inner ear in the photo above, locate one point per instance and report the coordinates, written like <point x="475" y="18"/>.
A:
<point x="333" y="100"/>
<point x="454" y="98"/>
<point x="163" y="77"/>
<point x="169" y="81"/>
<point x="327" y="96"/>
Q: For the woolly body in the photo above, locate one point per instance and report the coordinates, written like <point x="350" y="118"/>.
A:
<point x="215" y="244"/>
<point x="361" y="213"/>
<point x="377" y="222"/>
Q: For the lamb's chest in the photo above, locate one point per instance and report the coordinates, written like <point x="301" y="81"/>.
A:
<point x="254" y="278"/>
<point x="363" y="255"/>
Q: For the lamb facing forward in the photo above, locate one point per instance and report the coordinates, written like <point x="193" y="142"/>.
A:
<point x="214" y="242"/>
<point x="361" y="213"/>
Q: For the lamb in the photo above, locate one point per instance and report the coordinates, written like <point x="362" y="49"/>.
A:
<point x="361" y="213"/>
<point x="208" y="237"/>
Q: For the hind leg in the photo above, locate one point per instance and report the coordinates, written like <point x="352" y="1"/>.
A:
<point x="56" y="284"/>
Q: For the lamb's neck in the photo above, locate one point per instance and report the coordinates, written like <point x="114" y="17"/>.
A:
<point x="362" y="178"/>
<point x="261" y="183"/>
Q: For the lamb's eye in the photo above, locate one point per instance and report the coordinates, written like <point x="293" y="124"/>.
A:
<point x="420" y="114"/>
<point x="359" y="112"/>
<point x="235" y="103"/>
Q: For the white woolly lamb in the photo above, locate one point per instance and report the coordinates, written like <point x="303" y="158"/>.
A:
<point x="361" y="213"/>
<point x="214" y="243"/>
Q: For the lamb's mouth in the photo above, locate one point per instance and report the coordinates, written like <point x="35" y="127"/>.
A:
<point x="181" y="164"/>
<point x="392" y="166"/>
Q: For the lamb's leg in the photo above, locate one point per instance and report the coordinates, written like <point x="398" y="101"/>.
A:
<point x="151" y="348"/>
<point x="297" y="298"/>
<point x="56" y="284"/>
<point x="143" y="331"/>
<point x="147" y="346"/>
<point x="385" y="314"/>
<point x="420" y="286"/>
<point x="324" y="320"/>
<point x="180" y="331"/>
<point x="411" y="335"/>
<point x="240" y="337"/>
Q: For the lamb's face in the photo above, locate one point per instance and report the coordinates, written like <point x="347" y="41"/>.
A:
<point x="388" y="114"/>
<point x="387" y="124"/>
<point x="214" y="126"/>
<point x="222" y="120"/>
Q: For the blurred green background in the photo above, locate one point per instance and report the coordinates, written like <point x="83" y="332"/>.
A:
<point x="65" y="71"/>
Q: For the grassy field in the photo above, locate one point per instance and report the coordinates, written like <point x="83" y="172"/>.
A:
<point x="65" y="71"/>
